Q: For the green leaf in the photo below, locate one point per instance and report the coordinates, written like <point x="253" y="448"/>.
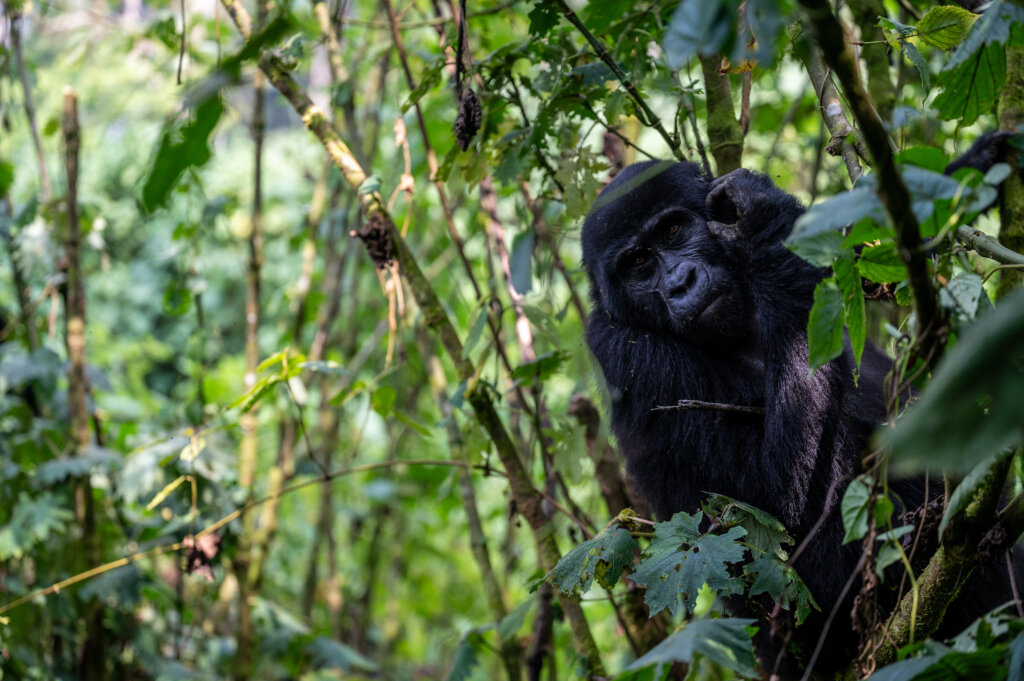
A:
<point x="964" y="492"/>
<point x="184" y="143"/>
<point x="541" y="368"/>
<point x="466" y="657"/>
<point x="779" y="580"/>
<point x="819" y="249"/>
<point x="604" y="557"/>
<point x="914" y="56"/>
<point x="476" y="330"/>
<point x="881" y="264"/>
<point x="521" y="259"/>
<point x="32" y="521"/>
<point x="724" y="640"/>
<point x="6" y="177"/>
<point x="972" y="89"/>
<point x="992" y="29"/>
<point x="961" y="295"/>
<point x="679" y="560"/>
<point x="511" y="623"/>
<point x="835" y="213"/>
<point x="699" y="27"/>
<point x="971" y="408"/>
<point x="429" y="79"/>
<point x="383" y="399"/>
<point x="825" y="324"/>
<point x="945" y="26"/>
<point x="1016" y="665"/>
<point x="765" y="532"/>
<point x="853" y="303"/>
<point x="327" y="652"/>
<point x="854" y="508"/>
<point x="543" y="17"/>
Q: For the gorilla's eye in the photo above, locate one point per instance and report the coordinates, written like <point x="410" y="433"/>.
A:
<point x="672" y="230"/>
<point x="639" y="259"/>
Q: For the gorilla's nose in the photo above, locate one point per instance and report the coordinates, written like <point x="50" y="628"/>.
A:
<point x="681" y="279"/>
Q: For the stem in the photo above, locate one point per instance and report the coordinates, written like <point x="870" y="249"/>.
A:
<point x="94" y="649"/>
<point x="30" y="114"/>
<point x="249" y="545"/>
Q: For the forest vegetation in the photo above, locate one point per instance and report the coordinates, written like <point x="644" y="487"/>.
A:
<point x="293" y="378"/>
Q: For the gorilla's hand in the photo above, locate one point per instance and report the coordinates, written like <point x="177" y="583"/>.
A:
<point x="730" y="201"/>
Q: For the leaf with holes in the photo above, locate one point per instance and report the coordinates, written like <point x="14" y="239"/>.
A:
<point x="604" y="557"/>
<point x="680" y="560"/>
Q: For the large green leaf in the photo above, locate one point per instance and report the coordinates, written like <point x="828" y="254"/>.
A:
<point x="680" y="560"/>
<point x="972" y="408"/>
<point x="725" y="641"/>
<point x="972" y="89"/>
<point x="604" y="557"/>
<point x="993" y="29"/>
<point x="945" y="26"/>
<point x="184" y="143"/>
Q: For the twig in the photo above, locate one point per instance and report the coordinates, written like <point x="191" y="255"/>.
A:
<point x="698" y="405"/>
<point x="652" y="119"/>
<point x="44" y="176"/>
<point x="831" y="616"/>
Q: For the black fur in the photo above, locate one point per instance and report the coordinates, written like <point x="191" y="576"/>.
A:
<point x="716" y="310"/>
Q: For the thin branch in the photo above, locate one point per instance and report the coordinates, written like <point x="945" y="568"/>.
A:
<point x="652" y="119"/>
<point x="698" y="405"/>
<point x="988" y="246"/>
<point x="30" y="114"/>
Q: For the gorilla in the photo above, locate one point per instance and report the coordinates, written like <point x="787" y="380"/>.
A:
<point x="695" y="297"/>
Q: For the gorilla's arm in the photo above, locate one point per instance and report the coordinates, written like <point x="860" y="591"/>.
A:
<point x="802" y="425"/>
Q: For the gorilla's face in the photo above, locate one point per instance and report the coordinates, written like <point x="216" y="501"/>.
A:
<point x="654" y="262"/>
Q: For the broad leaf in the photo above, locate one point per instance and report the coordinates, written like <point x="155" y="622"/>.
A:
<point x="853" y="303"/>
<point x="765" y="532"/>
<point x="184" y="143"/>
<point x="680" y="560"/>
<point x="725" y="641"/>
<point x="881" y="264"/>
<point x="604" y="557"/>
<point x="945" y="26"/>
<point x="972" y="89"/>
<point x="780" y="581"/>
<point x="971" y="409"/>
